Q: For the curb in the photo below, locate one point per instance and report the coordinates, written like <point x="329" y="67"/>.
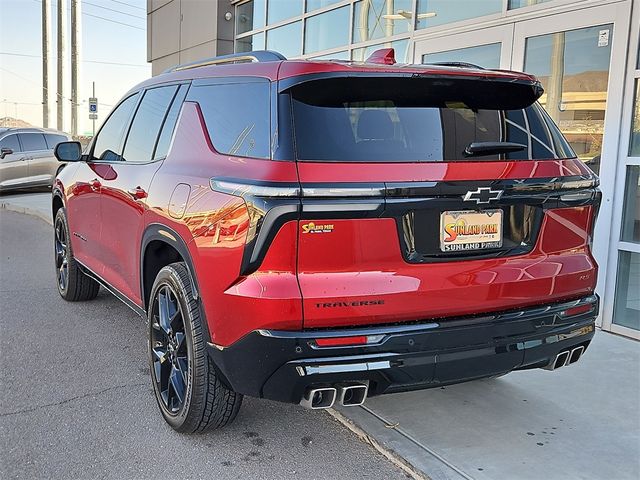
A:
<point x="27" y="211"/>
<point x="390" y="454"/>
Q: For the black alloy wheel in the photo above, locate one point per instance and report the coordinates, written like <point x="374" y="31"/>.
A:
<point x="62" y="255"/>
<point x="170" y="354"/>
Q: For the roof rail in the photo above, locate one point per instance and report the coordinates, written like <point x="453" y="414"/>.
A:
<point x="244" y="57"/>
<point x="458" y="64"/>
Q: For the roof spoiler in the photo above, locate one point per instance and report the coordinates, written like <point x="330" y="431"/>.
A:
<point x="244" y="57"/>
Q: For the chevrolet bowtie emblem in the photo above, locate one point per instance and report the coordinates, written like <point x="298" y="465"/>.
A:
<point x="482" y="195"/>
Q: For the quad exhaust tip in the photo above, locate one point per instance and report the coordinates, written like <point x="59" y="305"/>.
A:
<point x="566" y="357"/>
<point x="348" y="395"/>
<point x="319" y="398"/>
<point x="353" y="395"/>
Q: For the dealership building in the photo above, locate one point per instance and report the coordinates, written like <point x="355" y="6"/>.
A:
<point x="585" y="53"/>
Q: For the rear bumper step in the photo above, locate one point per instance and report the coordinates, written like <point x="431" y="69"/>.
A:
<point x="291" y="367"/>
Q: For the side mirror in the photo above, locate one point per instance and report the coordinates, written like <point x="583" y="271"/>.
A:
<point x="68" y="151"/>
<point x="5" y="151"/>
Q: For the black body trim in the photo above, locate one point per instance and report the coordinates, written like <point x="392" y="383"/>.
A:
<point x="281" y="365"/>
<point x="272" y="204"/>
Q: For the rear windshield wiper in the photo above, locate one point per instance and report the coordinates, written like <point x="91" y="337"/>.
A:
<point x="478" y="149"/>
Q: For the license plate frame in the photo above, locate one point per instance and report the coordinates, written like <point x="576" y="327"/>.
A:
<point x="471" y="230"/>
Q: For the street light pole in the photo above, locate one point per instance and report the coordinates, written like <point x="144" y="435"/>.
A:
<point x="62" y="34"/>
<point x="46" y="52"/>
<point x="76" y="41"/>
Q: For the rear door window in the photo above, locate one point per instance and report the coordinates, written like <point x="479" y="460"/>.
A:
<point x="146" y="124"/>
<point x="162" y="147"/>
<point x="32" y="142"/>
<point x="237" y="117"/>
<point x="394" y="120"/>
<point x="11" y="141"/>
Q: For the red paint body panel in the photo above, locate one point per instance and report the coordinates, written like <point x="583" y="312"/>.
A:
<point x="362" y="261"/>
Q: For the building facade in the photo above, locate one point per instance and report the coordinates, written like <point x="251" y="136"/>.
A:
<point x="585" y="52"/>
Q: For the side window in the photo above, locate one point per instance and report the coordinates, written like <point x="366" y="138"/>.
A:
<point x="53" y="140"/>
<point x="108" y="143"/>
<point x="162" y="148"/>
<point x="237" y="117"/>
<point x="32" y="142"/>
<point x="146" y="124"/>
<point x="11" y="141"/>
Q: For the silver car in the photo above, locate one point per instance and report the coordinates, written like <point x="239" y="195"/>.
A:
<point x="26" y="157"/>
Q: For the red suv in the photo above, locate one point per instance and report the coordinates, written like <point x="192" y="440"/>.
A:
<point x="316" y="232"/>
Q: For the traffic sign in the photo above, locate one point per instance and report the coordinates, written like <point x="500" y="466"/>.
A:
<point x="93" y="116"/>
<point x="93" y="105"/>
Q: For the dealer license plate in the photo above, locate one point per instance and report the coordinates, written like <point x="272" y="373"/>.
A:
<point x="465" y="230"/>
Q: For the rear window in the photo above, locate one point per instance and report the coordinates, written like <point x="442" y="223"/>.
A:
<point x="401" y="120"/>
<point x="237" y="117"/>
<point x="54" y="139"/>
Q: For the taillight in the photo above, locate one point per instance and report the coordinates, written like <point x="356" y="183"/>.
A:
<point x="578" y="310"/>
<point x="348" y="341"/>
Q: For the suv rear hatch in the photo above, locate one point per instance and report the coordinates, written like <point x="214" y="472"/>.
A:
<point x="428" y="196"/>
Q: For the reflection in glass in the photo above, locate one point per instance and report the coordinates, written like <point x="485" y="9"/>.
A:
<point x="374" y="19"/>
<point x="278" y="10"/>
<point x="250" y="43"/>
<point x="342" y="55"/>
<point x="634" y="141"/>
<point x="524" y="3"/>
<point x="400" y="47"/>
<point x="626" y="308"/>
<point x="250" y="16"/>
<point x="316" y="4"/>
<point x="631" y="209"/>
<point x="327" y="30"/>
<point x="487" y="56"/>
<point x="439" y="12"/>
<point x="286" y="39"/>
<point x="573" y="67"/>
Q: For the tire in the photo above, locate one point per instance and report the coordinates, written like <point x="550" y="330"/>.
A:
<point x="187" y="388"/>
<point x="73" y="284"/>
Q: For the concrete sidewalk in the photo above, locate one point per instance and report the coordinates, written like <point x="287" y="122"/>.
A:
<point x="581" y="421"/>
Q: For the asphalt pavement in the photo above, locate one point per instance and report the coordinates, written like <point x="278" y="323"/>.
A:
<point x="77" y="402"/>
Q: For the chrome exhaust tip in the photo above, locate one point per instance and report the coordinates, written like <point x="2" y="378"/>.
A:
<point x="319" y="398"/>
<point x="576" y="353"/>
<point x="560" y="360"/>
<point x="353" y="395"/>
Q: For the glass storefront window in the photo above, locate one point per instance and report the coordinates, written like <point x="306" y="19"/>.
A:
<point x="286" y="39"/>
<point x="626" y="310"/>
<point x="487" y="56"/>
<point x="250" y="43"/>
<point x="439" y="12"/>
<point x="327" y="30"/>
<point x="278" y="10"/>
<point x="631" y="210"/>
<point x="316" y="4"/>
<point x="374" y="19"/>
<point x="573" y="67"/>
<point x="524" y="3"/>
<point x="250" y="15"/>
<point x="400" y="47"/>
<point x="634" y="141"/>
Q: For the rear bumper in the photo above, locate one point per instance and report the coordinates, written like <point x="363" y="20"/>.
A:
<point x="281" y="365"/>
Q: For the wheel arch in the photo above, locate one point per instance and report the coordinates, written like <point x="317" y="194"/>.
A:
<point x="57" y="202"/>
<point x="161" y="245"/>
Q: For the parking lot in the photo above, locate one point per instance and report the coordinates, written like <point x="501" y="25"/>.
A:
<point x="77" y="399"/>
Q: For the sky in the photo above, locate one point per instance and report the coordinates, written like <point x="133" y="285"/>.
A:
<point x="113" y="55"/>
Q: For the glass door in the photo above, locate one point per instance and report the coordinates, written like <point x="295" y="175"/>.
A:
<point x="580" y="60"/>
<point x="488" y="48"/>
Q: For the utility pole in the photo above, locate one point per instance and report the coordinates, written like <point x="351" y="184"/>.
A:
<point x="46" y="53"/>
<point x="62" y="38"/>
<point x="76" y="42"/>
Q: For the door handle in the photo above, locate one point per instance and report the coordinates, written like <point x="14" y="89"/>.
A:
<point x="138" y="193"/>
<point x="95" y="184"/>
